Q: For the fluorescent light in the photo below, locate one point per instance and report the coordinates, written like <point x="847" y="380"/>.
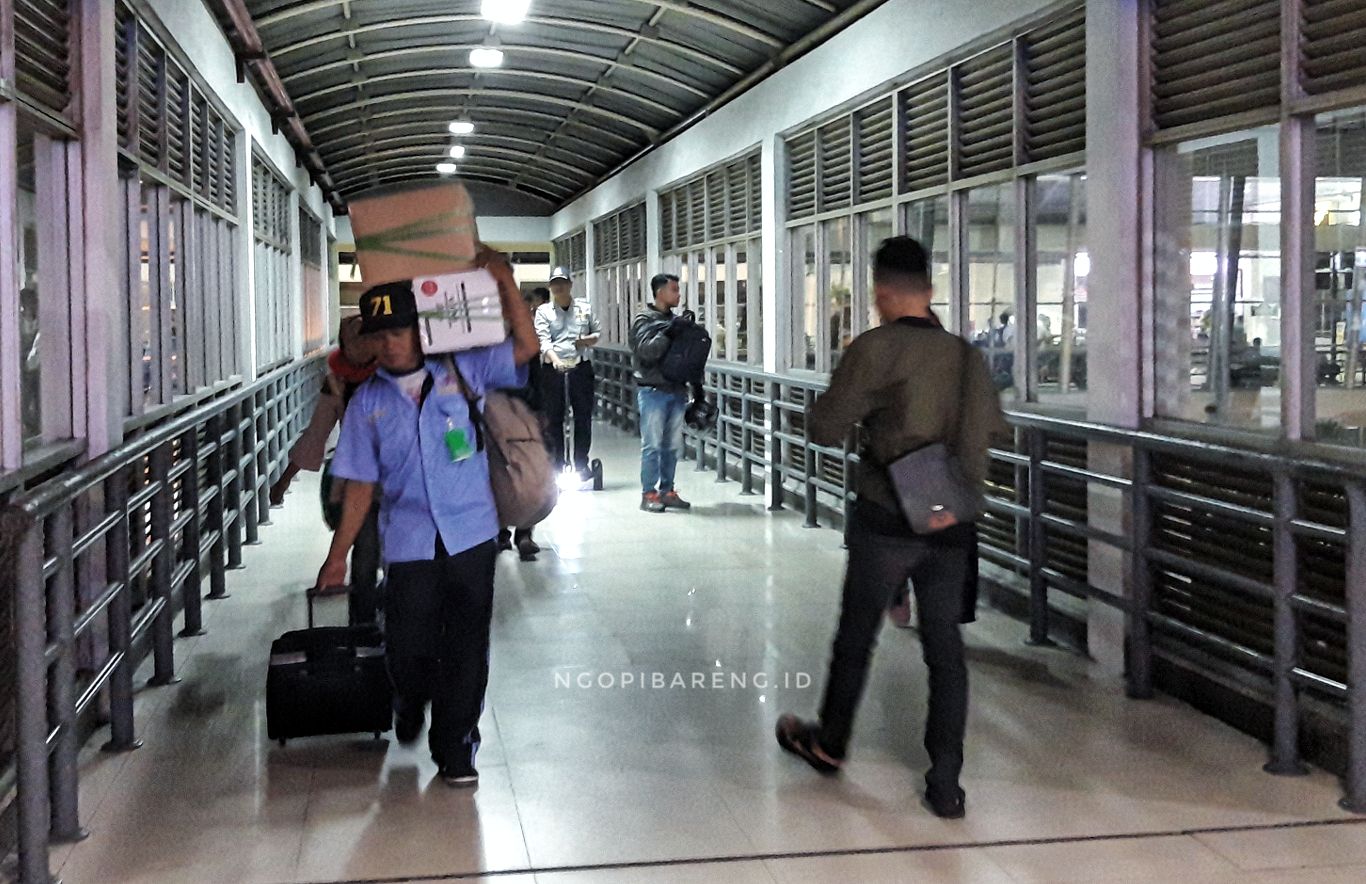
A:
<point x="458" y="152"/>
<point x="485" y="57"/>
<point x="462" y="127"/>
<point x="446" y="168"/>
<point x="505" y="12"/>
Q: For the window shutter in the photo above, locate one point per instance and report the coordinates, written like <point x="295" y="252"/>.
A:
<point x="634" y="248"/>
<point x="151" y="116"/>
<point x="801" y="176"/>
<point x="1214" y="59"/>
<point x="42" y="56"/>
<point x="1055" y="88"/>
<point x="836" y="176"/>
<point x="756" y="191"/>
<point x="199" y="121"/>
<point x="227" y="167"/>
<point x="177" y="122"/>
<point x="1333" y="45"/>
<point x="697" y="215"/>
<point x="716" y="205"/>
<point x="124" y="36"/>
<point x="925" y="133"/>
<point x="986" y="112"/>
<point x="667" y="239"/>
<point x="875" y="174"/>
<point x="737" y="196"/>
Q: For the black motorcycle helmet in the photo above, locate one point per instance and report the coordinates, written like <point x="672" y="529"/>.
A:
<point x="700" y="415"/>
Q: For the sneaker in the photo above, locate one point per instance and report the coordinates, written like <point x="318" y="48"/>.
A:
<point x="527" y="549"/>
<point x="945" y="806"/>
<point x="672" y="501"/>
<point x="408" y="720"/>
<point x="504" y="540"/>
<point x="459" y="775"/>
<point x="651" y="503"/>
<point x="799" y="738"/>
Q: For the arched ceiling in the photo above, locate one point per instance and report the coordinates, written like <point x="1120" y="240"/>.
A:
<point x="369" y="86"/>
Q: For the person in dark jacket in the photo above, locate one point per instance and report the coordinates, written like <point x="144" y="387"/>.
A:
<point x="910" y="384"/>
<point x="662" y="402"/>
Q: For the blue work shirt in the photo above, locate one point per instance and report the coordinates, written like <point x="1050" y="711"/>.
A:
<point x="385" y="440"/>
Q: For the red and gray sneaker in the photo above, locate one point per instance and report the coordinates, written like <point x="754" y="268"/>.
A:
<point x="650" y="502"/>
<point x="672" y="501"/>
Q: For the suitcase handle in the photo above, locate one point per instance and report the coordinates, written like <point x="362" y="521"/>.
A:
<point x="314" y="592"/>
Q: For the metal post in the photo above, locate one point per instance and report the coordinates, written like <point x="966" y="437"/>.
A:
<point x="269" y="423"/>
<point x="189" y="540"/>
<point x="746" y="442"/>
<point x="1285" y="746"/>
<point x="122" y="736"/>
<point x="218" y="578"/>
<point x="1140" y="668"/>
<point x="809" y="482"/>
<point x="1355" y="799"/>
<point x="1037" y="543"/>
<point x="720" y="438"/>
<point x="30" y="640"/>
<point x="774" y="448"/>
<point x="244" y="465"/>
<point x="61" y="616"/>
<point x="163" y="647"/>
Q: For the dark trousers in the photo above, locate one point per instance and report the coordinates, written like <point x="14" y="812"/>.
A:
<point x="436" y="622"/>
<point x="364" y="599"/>
<point x="879" y="567"/>
<point x="580" y="381"/>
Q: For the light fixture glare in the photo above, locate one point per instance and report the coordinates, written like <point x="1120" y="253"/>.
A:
<point x="458" y="152"/>
<point x="462" y="127"/>
<point x="505" y="12"/>
<point x="486" y="57"/>
<point x="446" y="168"/>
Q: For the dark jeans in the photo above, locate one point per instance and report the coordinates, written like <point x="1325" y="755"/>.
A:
<point x="661" y="437"/>
<point x="436" y="623"/>
<point x="580" y="380"/>
<point x="364" y="599"/>
<point x="878" y="567"/>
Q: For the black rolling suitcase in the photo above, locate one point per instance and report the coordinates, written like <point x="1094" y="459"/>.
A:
<point x="327" y="680"/>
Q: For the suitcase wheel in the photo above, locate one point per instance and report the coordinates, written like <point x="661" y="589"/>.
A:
<point x="596" y="468"/>
<point x="281" y="741"/>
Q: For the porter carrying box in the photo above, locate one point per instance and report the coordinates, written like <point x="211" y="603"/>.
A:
<point x="414" y="232"/>
<point x="458" y="311"/>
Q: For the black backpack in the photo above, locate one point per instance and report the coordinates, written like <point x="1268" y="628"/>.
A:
<point x="686" y="359"/>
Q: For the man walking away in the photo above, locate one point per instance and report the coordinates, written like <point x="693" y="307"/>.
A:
<point x="661" y="402"/>
<point x="568" y="331"/>
<point x="911" y="384"/>
<point x="409" y="432"/>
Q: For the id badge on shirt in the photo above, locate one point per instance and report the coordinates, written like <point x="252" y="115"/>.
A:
<point x="458" y="443"/>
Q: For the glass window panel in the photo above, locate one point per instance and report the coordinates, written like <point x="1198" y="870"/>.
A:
<point x="927" y="221"/>
<point x="991" y="228"/>
<point x="697" y="296"/>
<point x="807" y="323"/>
<point x="175" y="347"/>
<point x="1218" y="311"/>
<point x="839" y="304"/>
<point x="144" y="309"/>
<point x="1061" y="268"/>
<point x="30" y="339"/>
<point x="741" y="302"/>
<point x="878" y="226"/>
<point x="1340" y="279"/>
<point x="719" y="326"/>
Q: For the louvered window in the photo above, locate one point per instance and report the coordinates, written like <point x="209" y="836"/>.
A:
<point x="177" y="122"/>
<point x="755" y="211"/>
<point x="737" y="198"/>
<point x="1214" y="58"/>
<point x="150" y="106"/>
<point x="125" y="36"/>
<point x="836" y="174"/>
<point x="925" y="134"/>
<point x="620" y="236"/>
<point x="716" y="205"/>
<point x="875" y="174"/>
<point x="697" y="216"/>
<point x="1333" y="45"/>
<point x="801" y="176"/>
<point x="986" y="112"/>
<point x="667" y="237"/>
<point x="270" y="205"/>
<point x="43" y="32"/>
<point x="1055" y="89"/>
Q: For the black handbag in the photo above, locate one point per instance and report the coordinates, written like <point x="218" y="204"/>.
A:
<point x="929" y="481"/>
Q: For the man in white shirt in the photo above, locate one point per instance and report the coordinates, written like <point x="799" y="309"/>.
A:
<point x="568" y="331"/>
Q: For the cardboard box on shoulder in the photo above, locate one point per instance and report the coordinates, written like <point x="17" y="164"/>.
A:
<point x="428" y="235"/>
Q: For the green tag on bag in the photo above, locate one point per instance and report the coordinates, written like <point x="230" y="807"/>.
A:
<point x="458" y="444"/>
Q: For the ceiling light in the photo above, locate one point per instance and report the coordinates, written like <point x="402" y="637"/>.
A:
<point x="458" y="152"/>
<point x="462" y="127"/>
<point x="486" y="58"/>
<point x="505" y="12"/>
<point x="446" y="168"/>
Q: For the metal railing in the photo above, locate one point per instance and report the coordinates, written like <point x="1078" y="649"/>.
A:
<point x="111" y="553"/>
<point x="1235" y="558"/>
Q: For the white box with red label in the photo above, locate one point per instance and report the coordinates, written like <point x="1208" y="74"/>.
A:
<point x="458" y="311"/>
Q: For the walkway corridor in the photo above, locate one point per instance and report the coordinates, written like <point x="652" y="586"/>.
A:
<point x="585" y="778"/>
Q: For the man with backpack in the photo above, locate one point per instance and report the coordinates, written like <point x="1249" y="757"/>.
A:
<point x="414" y="433"/>
<point x="662" y="400"/>
<point x="925" y="400"/>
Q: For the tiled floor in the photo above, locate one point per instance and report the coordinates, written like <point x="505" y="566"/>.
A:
<point x="586" y="776"/>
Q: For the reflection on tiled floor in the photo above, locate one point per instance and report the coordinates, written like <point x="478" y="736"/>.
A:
<point x="637" y="671"/>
